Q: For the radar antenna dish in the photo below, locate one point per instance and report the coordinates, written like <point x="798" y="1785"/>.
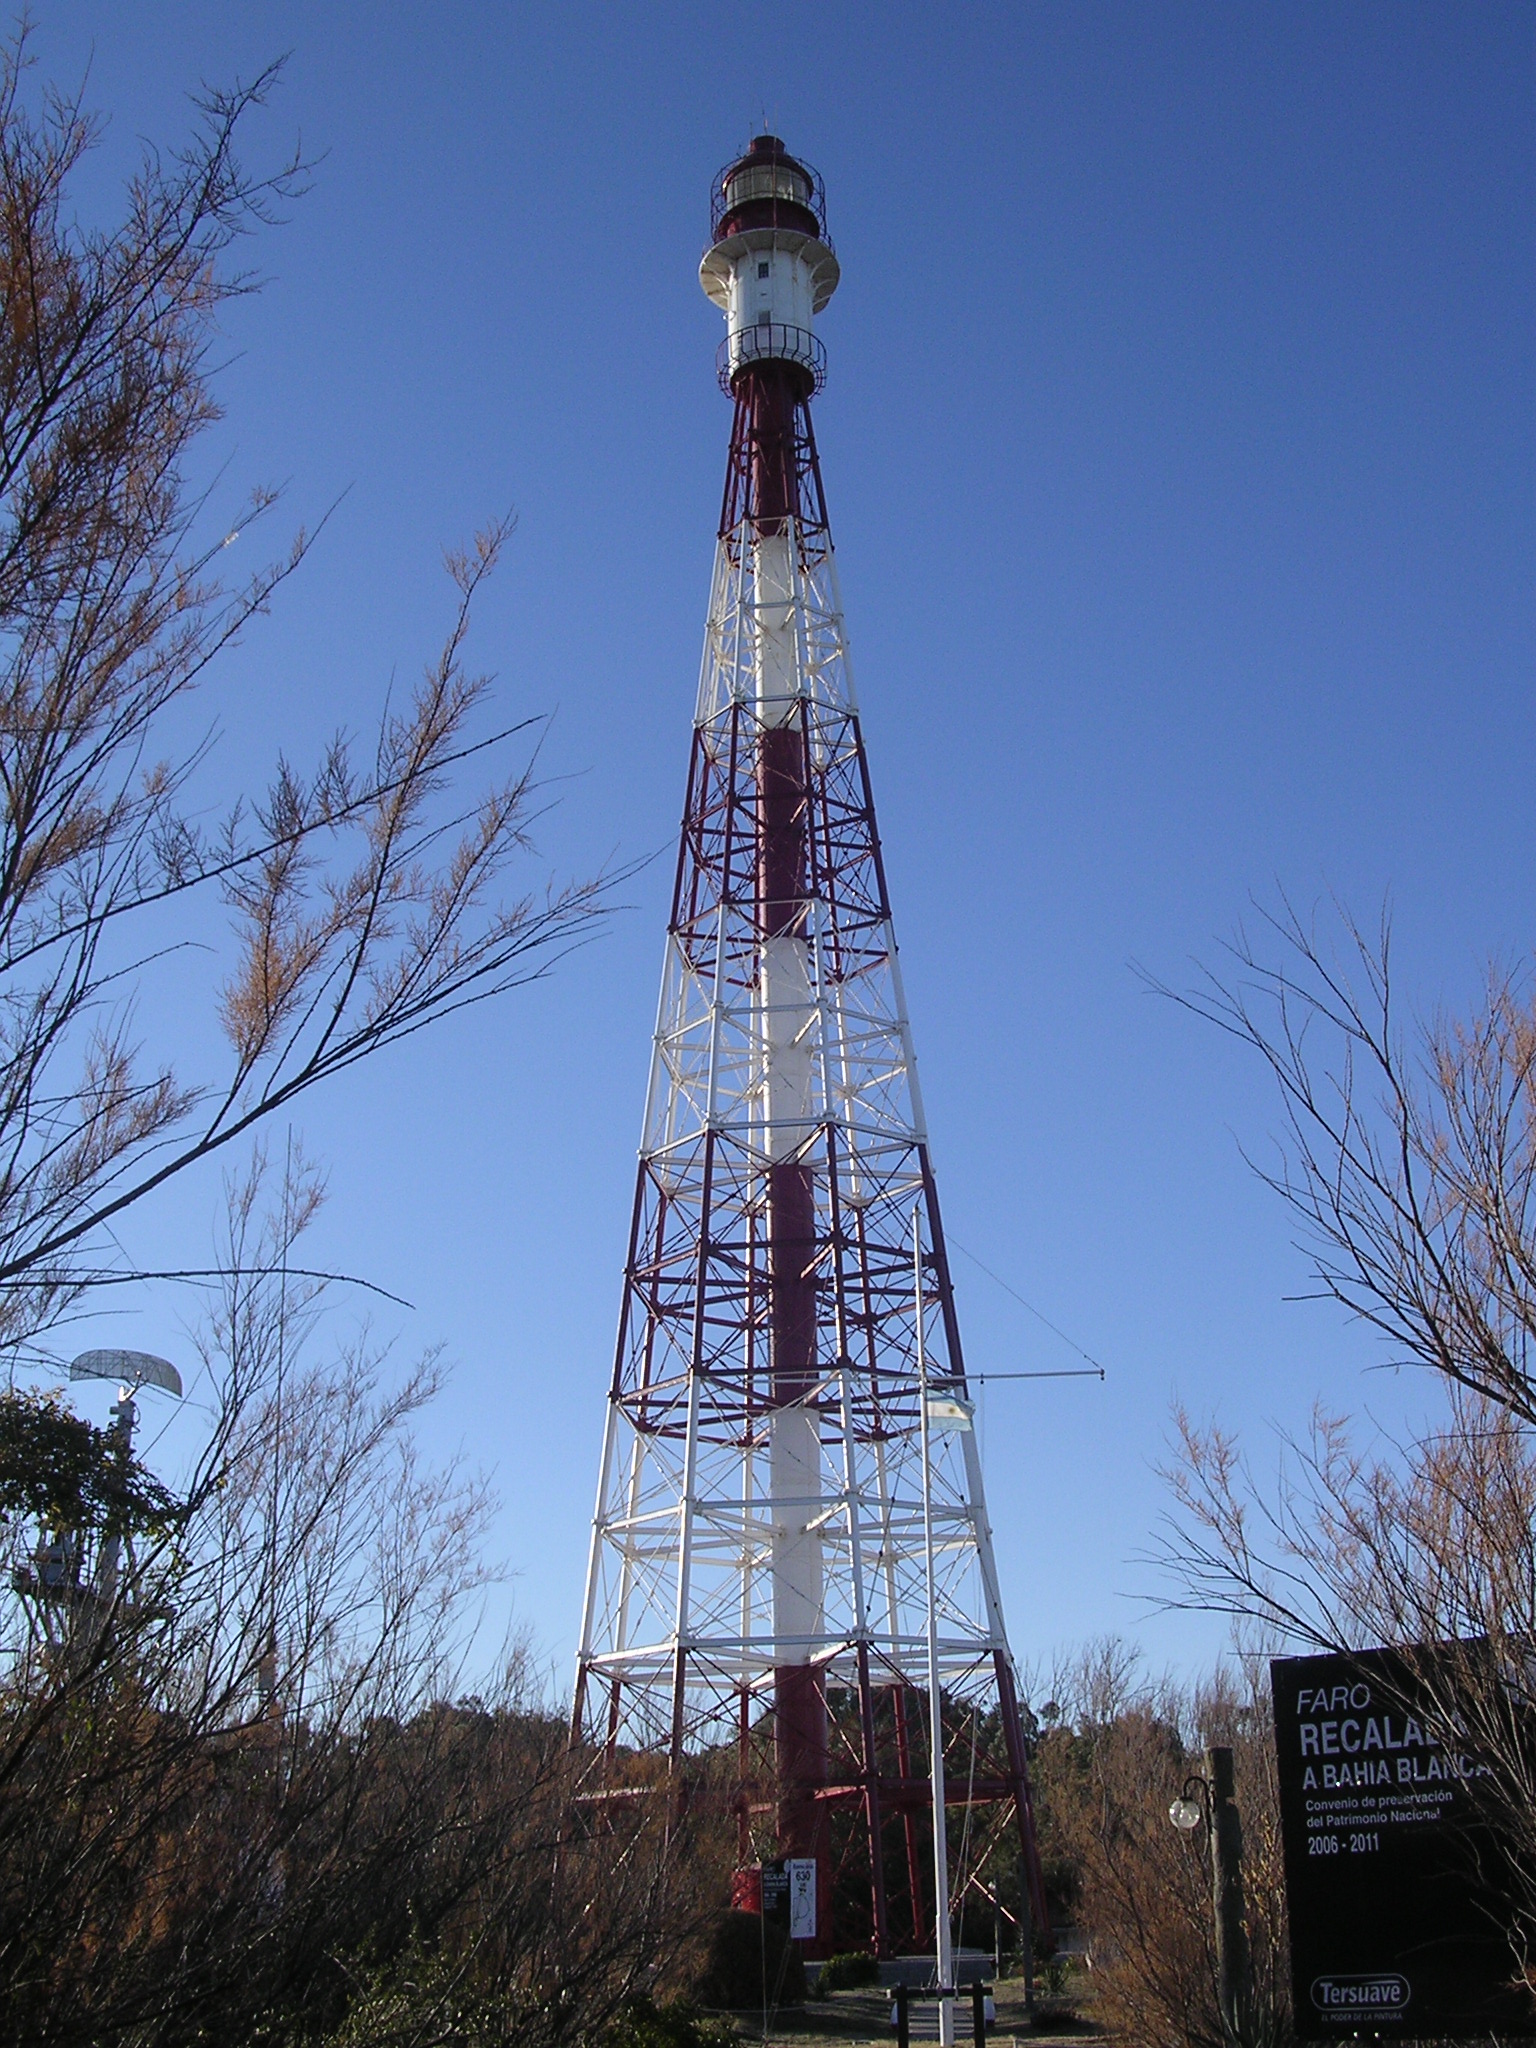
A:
<point x="133" y="1369"/>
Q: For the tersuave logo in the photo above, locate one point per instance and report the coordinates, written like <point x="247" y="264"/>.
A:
<point x="1376" y="1991"/>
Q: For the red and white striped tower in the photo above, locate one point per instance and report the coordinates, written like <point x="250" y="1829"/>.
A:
<point x="755" y="1605"/>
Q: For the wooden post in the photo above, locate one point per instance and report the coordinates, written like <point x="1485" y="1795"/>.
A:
<point x="1227" y="1891"/>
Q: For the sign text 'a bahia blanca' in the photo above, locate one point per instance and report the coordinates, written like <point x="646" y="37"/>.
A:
<point x="1394" y="1876"/>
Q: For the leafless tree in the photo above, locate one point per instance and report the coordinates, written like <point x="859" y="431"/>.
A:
<point x="1105" y="1776"/>
<point x="248" y="1794"/>
<point x="367" y="896"/>
<point x="241" y="1790"/>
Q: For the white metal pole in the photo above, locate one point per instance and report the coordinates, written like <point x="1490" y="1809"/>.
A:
<point x="944" y="1960"/>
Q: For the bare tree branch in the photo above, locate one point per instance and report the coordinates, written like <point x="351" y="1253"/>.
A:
<point x="365" y="901"/>
<point x="1409" y="1152"/>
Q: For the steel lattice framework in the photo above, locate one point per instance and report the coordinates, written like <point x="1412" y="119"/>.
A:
<point x="756" y="1600"/>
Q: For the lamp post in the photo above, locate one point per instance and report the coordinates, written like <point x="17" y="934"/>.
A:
<point x="1211" y="1800"/>
<point x="943" y="1960"/>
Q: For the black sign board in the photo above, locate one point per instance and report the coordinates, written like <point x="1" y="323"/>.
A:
<point x="775" y="1894"/>
<point x="1391" y="1876"/>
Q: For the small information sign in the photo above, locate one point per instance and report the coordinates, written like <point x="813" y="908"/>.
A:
<point x="802" y="1898"/>
<point x="1392" y="1876"/>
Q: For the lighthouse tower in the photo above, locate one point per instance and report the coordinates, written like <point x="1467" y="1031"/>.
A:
<point x="756" y="1607"/>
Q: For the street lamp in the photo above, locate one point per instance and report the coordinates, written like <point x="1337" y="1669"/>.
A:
<point x="1187" y="1811"/>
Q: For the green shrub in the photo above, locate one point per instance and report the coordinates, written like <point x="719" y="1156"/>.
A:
<point x="847" y="1972"/>
<point x="1053" y="1975"/>
<point x="643" y="2024"/>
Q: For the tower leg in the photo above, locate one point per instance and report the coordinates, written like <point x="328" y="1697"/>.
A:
<point x="1018" y="1771"/>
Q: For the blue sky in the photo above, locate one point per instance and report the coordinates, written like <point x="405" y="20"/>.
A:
<point x="1178" y="443"/>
